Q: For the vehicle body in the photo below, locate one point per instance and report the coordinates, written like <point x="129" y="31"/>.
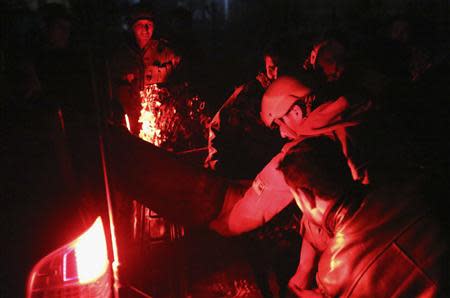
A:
<point x="61" y="186"/>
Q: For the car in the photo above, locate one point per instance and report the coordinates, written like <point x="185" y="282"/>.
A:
<point x="77" y="221"/>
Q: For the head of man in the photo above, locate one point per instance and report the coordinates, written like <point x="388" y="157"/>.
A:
<point x="285" y="104"/>
<point x="142" y="23"/>
<point x="330" y="60"/>
<point x="272" y="54"/>
<point x="317" y="174"/>
<point x="271" y="66"/>
<point x="143" y="31"/>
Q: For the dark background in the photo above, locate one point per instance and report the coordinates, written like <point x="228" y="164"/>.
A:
<point x="229" y="35"/>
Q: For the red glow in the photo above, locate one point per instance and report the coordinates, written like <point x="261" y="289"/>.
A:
<point x="91" y="253"/>
<point x="127" y="122"/>
<point x="151" y="116"/>
<point x="340" y="241"/>
<point x="82" y="266"/>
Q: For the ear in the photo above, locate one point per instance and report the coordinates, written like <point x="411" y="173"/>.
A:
<point x="307" y="195"/>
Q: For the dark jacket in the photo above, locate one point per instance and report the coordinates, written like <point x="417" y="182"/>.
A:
<point x="388" y="244"/>
<point x="239" y="142"/>
<point x="132" y="69"/>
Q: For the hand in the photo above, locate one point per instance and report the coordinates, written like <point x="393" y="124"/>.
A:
<point x="295" y="286"/>
<point x="300" y="283"/>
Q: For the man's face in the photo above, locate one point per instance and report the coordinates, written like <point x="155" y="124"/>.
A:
<point x="289" y="124"/>
<point x="271" y="68"/>
<point x="143" y="31"/>
<point x="332" y="67"/>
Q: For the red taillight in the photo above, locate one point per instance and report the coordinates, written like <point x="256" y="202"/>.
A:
<point x="78" y="269"/>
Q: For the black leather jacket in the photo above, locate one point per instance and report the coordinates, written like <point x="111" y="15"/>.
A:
<point x="387" y="244"/>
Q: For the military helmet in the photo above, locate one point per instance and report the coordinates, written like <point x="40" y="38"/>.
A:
<point x="280" y="96"/>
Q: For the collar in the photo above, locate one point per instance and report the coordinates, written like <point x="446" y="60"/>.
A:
<point x="347" y="205"/>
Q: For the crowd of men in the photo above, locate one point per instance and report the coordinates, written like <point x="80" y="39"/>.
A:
<point x="362" y="159"/>
<point x="363" y="221"/>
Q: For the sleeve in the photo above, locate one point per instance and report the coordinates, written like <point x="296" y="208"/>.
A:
<point x="325" y="118"/>
<point x="268" y="195"/>
<point x="219" y="132"/>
